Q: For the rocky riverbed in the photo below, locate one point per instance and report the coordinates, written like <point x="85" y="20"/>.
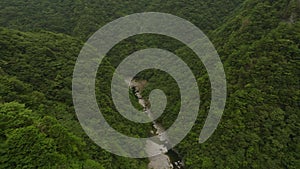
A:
<point x="166" y="159"/>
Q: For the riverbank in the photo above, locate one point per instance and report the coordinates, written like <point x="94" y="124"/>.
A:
<point x="163" y="160"/>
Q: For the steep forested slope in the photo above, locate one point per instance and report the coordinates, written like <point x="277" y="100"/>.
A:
<point x="83" y="17"/>
<point x="35" y="89"/>
<point x="258" y="44"/>
<point x="259" y="47"/>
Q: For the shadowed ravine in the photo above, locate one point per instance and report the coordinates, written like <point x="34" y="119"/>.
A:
<point x="168" y="159"/>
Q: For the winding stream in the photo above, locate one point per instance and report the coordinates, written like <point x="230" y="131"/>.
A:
<point x="168" y="159"/>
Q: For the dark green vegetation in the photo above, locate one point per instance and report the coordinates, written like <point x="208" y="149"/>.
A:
<point x="258" y="42"/>
<point x="82" y="18"/>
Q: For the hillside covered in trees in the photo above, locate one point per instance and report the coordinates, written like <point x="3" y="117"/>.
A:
<point x="259" y="45"/>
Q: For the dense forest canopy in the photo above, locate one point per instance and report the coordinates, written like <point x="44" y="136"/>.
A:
<point x="81" y="18"/>
<point x="259" y="45"/>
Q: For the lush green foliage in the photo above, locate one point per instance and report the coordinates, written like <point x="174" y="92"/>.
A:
<point x="258" y="44"/>
<point x="36" y="70"/>
<point x="259" y="47"/>
<point x="81" y="18"/>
